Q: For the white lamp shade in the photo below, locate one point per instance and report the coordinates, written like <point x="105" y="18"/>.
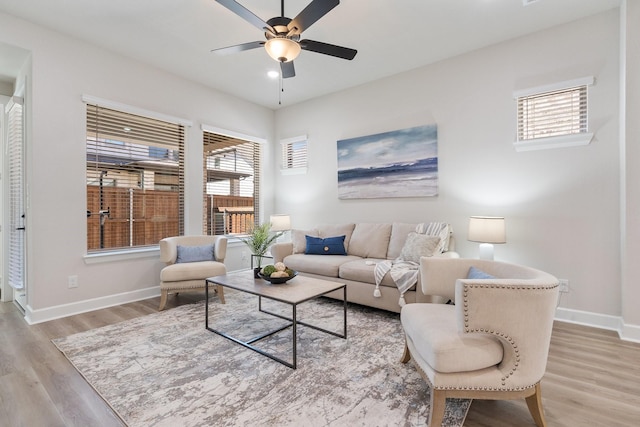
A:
<point x="487" y="229"/>
<point x="282" y="49"/>
<point x="280" y="222"/>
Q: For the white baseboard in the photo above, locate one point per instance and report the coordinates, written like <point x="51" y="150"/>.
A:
<point x="56" y="312"/>
<point x="626" y="332"/>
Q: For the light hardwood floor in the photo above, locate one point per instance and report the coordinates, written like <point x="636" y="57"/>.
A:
<point x="592" y="379"/>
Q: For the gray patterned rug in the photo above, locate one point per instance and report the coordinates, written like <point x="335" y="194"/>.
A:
<point x="166" y="369"/>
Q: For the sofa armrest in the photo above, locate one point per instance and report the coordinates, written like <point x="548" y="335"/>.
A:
<point x="220" y="248"/>
<point x="280" y="250"/>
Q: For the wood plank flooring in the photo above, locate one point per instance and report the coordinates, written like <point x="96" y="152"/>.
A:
<point x="592" y="379"/>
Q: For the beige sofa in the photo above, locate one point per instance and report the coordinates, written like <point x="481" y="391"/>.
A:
<point x="365" y="244"/>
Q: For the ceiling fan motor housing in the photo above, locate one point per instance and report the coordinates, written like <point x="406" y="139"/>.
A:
<point x="287" y="47"/>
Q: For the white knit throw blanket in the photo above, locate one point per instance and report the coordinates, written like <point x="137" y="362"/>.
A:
<point x="403" y="273"/>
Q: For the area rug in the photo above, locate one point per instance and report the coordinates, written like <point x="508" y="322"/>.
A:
<point x="166" y="369"/>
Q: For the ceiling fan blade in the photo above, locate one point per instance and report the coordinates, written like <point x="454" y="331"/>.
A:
<point x="287" y="69"/>
<point x="328" y="49"/>
<point x="238" y="48"/>
<point x="246" y="14"/>
<point x="314" y="11"/>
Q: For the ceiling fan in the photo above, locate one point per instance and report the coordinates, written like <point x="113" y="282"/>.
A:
<point x="283" y="34"/>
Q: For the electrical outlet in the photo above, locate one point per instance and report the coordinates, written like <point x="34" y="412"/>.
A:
<point x="564" y="285"/>
<point x="73" y="281"/>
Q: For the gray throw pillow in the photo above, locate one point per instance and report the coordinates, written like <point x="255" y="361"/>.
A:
<point x="195" y="253"/>
<point x="419" y="245"/>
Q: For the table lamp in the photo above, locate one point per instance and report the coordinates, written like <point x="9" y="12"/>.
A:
<point x="487" y="230"/>
<point x="280" y="222"/>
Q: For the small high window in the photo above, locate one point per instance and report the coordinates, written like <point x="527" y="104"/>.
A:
<point x="553" y="116"/>
<point x="294" y="155"/>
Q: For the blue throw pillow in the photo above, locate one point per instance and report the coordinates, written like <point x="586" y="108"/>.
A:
<point x="328" y="246"/>
<point x="195" y="253"/>
<point x="475" y="273"/>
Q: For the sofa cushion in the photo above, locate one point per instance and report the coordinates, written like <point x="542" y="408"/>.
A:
<point x="194" y="253"/>
<point x="399" y="233"/>
<point x="330" y="230"/>
<point x="325" y="265"/>
<point x="370" y="240"/>
<point x="192" y="271"/>
<point x="433" y="330"/>
<point x="419" y="245"/>
<point x="299" y="240"/>
<point x="327" y="246"/>
<point x="362" y="270"/>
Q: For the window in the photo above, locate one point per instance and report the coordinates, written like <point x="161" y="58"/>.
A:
<point x="231" y="184"/>
<point x="554" y="115"/>
<point x="135" y="179"/>
<point x="294" y="155"/>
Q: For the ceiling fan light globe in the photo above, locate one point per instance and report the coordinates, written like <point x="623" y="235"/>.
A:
<point x="282" y="49"/>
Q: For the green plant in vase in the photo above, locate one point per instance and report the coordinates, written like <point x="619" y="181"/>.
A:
<point x="259" y="240"/>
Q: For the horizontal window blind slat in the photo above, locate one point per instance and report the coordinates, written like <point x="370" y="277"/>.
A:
<point x="561" y="112"/>
<point x="135" y="179"/>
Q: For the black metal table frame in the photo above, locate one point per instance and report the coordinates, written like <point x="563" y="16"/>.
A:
<point x="293" y="323"/>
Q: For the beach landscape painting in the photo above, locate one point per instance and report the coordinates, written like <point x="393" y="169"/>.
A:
<point x="400" y="163"/>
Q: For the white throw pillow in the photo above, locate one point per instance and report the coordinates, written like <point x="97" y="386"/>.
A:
<point x="419" y="245"/>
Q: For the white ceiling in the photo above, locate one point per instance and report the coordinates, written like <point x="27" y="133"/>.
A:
<point x="390" y="36"/>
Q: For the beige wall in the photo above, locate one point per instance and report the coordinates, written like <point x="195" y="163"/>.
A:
<point x="562" y="206"/>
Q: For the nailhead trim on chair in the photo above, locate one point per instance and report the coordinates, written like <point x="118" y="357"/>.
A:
<point x="467" y="287"/>
<point x="505" y="337"/>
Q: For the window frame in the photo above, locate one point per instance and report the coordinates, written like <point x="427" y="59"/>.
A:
<point x="570" y="139"/>
<point x="137" y="251"/>
<point x="258" y="145"/>
<point x="289" y="164"/>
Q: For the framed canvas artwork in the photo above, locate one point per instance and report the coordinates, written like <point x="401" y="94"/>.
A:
<point x="400" y="163"/>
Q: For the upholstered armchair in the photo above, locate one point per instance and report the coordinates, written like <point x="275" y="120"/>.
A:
<point x="493" y="343"/>
<point x="190" y="260"/>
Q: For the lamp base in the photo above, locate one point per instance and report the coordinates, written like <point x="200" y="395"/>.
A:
<point x="486" y="251"/>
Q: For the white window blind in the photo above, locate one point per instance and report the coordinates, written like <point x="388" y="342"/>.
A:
<point x="294" y="154"/>
<point x="231" y="184"/>
<point x="552" y="114"/>
<point x="15" y="138"/>
<point x="135" y="179"/>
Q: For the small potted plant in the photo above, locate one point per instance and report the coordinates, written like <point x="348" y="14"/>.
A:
<point x="259" y="240"/>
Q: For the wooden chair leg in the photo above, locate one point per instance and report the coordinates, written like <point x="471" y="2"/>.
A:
<point x="438" y="403"/>
<point x="163" y="299"/>
<point x="406" y="356"/>
<point x="534" y="402"/>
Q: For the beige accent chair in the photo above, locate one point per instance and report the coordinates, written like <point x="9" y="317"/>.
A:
<point x="188" y="276"/>
<point x="492" y="344"/>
